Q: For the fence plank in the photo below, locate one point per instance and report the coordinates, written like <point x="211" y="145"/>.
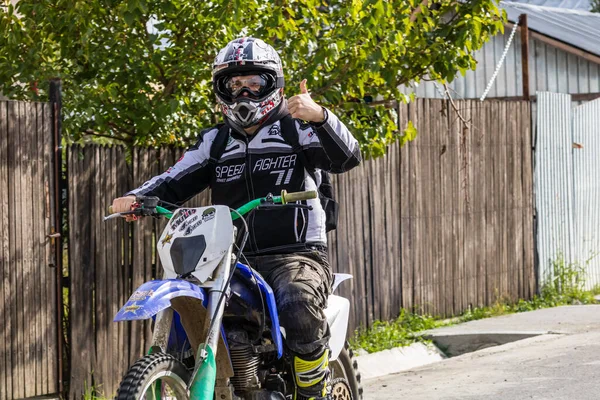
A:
<point x="138" y="269"/>
<point x="407" y="212"/>
<point x="81" y="270"/>
<point x="436" y="206"/>
<point x="363" y="256"/>
<point x="17" y="133"/>
<point x="491" y="210"/>
<point x="114" y="265"/>
<point x="512" y="203"/>
<point x="436" y="219"/>
<point x="421" y="187"/>
<point x="376" y="240"/>
<point x="445" y="158"/>
<point x="101" y="369"/>
<point x="402" y="208"/>
<point x="11" y="138"/>
<point x="392" y="222"/>
<point x="26" y="223"/>
<point x="43" y="324"/>
<point x="429" y="292"/>
<point x="394" y="206"/>
<point x="6" y="297"/>
<point x="528" y="208"/>
<point x="36" y="269"/>
<point x="122" y="178"/>
<point x="51" y="347"/>
<point x="471" y="240"/>
<point x="503" y="126"/>
<point x="479" y="187"/>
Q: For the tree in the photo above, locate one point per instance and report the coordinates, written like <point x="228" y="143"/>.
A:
<point x="595" y="6"/>
<point x="139" y="71"/>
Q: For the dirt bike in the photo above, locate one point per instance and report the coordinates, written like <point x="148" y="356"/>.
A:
<point x="216" y="331"/>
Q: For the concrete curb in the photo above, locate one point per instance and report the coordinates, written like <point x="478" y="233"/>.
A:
<point x="397" y="360"/>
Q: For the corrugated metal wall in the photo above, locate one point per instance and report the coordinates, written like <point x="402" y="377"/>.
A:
<point x="550" y="69"/>
<point x="586" y="180"/>
<point x="553" y="186"/>
<point x="567" y="184"/>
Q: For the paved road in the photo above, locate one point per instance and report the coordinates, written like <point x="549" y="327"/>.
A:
<point x="552" y="366"/>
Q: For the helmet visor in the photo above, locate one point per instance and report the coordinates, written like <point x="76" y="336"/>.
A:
<point x="253" y="84"/>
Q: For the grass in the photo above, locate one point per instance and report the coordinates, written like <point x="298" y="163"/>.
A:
<point x="92" y="393"/>
<point x="564" y="285"/>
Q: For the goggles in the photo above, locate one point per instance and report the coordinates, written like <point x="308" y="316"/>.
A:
<point x="253" y="84"/>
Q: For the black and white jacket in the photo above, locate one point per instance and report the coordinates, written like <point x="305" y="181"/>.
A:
<point x="254" y="166"/>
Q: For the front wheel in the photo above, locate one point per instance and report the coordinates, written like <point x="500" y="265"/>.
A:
<point x="155" y="376"/>
<point x="345" y="382"/>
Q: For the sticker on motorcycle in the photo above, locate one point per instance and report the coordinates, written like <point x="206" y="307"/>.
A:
<point x="187" y="223"/>
<point x="141" y="295"/>
<point x="132" y="308"/>
<point x="182" y="215"/>
<point x="208" y="214"/>
<point x="167" y="239"/>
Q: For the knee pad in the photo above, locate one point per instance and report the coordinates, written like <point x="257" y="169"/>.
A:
<point x="311" y="374"/>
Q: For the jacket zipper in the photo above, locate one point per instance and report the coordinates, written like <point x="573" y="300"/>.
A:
<point x="250" y="191"/>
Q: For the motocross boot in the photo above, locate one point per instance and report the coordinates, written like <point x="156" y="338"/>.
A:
<point x="312" y="377"/>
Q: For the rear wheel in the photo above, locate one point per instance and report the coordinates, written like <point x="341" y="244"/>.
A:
<point x="155" y="376"/>
<point x="345" y="376"/>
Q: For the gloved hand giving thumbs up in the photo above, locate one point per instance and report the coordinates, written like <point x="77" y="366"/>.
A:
<point x="303" y="107"/>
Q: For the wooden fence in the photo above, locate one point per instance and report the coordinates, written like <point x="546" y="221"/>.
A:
<point x="29" y="354"/>
<point x="108" y="261"/>
<point x="440" y="225"/>
<point x="444" y="223"/>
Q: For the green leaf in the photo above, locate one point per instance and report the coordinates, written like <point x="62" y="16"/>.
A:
<point x="129" y="17"/>
<point x="409" y="134"/>
<point x="120" y="80"/>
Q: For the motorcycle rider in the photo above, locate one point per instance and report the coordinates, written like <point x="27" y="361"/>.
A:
<point x="287" y="246"/>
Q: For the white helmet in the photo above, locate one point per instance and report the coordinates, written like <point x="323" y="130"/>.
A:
<point x="248" y="56"/>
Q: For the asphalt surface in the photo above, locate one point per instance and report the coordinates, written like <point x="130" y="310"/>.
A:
<point x="561" y="365"/>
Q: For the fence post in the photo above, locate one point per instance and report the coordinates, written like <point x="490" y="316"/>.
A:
<point x="524" y="54"/>
<point x="56" y="104"/>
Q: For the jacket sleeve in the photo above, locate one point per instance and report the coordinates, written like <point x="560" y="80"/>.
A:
<point x="188" y="177"/>
<point x="329" y="145"/>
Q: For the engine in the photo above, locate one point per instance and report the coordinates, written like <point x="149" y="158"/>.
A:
<point x="244" y="361"/>
<point x="255" y="377"/>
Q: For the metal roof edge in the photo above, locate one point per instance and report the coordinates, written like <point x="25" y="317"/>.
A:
<point x="566" y="46"/>
<point x="551" y="9"/>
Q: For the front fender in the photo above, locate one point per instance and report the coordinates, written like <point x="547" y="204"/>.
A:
<point x="155" y="296"/>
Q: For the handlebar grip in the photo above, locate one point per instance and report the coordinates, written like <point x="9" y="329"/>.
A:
<point x="290" y="197"/>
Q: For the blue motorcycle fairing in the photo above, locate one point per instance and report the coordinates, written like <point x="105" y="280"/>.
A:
<point x="155" y="296"/>
<point x="269" y="297"/>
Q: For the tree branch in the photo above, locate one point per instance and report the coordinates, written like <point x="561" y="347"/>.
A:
<point x="120" y="129"/>
<point x="94" y="133"/>
<point x="466" y="124"/>
<point x="418" y="10"/>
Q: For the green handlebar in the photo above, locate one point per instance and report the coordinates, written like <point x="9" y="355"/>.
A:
<point x="164" y="211"/>
<point x="246" y="208"/>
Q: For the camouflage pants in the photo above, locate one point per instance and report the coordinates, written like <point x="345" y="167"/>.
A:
<point x="301" y="283"/>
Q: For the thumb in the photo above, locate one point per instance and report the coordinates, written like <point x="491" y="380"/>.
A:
<point x="303" y="88"/>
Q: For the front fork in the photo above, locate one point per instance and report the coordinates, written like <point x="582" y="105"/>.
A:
<point x="162" y="329"/>
<point x="202" y="383"/>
